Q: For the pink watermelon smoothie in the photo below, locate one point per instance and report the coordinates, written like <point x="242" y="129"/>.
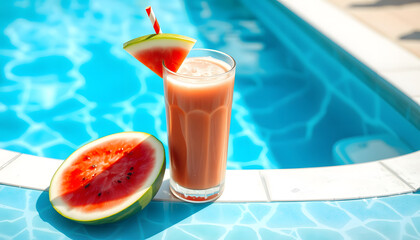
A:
<point x="198" y="104"/>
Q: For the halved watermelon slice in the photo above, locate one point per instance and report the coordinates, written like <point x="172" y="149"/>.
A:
<point x="109" y="179"/>
<point x="153" y="49"/>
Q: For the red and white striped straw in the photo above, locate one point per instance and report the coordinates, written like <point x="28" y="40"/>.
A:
<point x="153" y="19"/>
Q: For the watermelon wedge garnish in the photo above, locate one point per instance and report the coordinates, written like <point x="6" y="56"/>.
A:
<point x="109" y="179"/>
<point x="153" y="49"/>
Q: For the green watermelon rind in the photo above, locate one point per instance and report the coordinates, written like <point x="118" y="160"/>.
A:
<point x="135" y="207"/>
<point x="163" y="36"/>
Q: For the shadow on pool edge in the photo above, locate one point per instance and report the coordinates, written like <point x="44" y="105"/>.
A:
<point x="155" y="218"/>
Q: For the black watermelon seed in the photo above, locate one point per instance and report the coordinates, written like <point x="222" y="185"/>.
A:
<point x="131" y="168"/>
<point x="99" y="194"/>
<point x="119" y="181"/>
<point x="130" y="173"/>
<point x="128" y="177"/>
<point x="87" y="185"/>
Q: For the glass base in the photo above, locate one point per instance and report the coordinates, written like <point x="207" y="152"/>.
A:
<point x="194" y="195"/>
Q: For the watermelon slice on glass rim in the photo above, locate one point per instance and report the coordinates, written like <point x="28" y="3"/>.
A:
<point x="109" y="179"/>
<point x="153" y="49"/>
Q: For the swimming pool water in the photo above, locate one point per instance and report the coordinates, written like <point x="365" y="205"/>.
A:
<point x="45" y="42"/>
<point x="29" y="215"/>
<point x="66" y="80"/>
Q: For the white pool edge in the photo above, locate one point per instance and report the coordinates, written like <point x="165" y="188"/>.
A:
<point x="374" y="179"/>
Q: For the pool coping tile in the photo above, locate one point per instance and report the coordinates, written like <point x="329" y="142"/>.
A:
<point x="164" y="193"/>
<point x="29" y="171"/>
<point x="244" y="186"/>
<point x="407" y="81"/>
<point x="417" y="100"/>
<point x="240" y="186"/>
<point x="6" y="157"/>
<point x="353" y="181"/>
<point x="34" y="172"/>
<point x="380" y="178"/>
<point x="406" y="167"/>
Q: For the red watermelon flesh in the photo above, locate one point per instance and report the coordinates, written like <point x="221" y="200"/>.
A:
<point x="153" y="49"/>
<point x="153" y="58"/>
<point x="104" y="177"/>
<point x="109" y="179"/>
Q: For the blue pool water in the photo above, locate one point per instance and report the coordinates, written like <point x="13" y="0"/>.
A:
<point x="31" y="216"/>
<point x="66" y="81"/>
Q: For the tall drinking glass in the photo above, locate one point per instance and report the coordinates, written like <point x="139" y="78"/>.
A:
<point x="198" y="100"/>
